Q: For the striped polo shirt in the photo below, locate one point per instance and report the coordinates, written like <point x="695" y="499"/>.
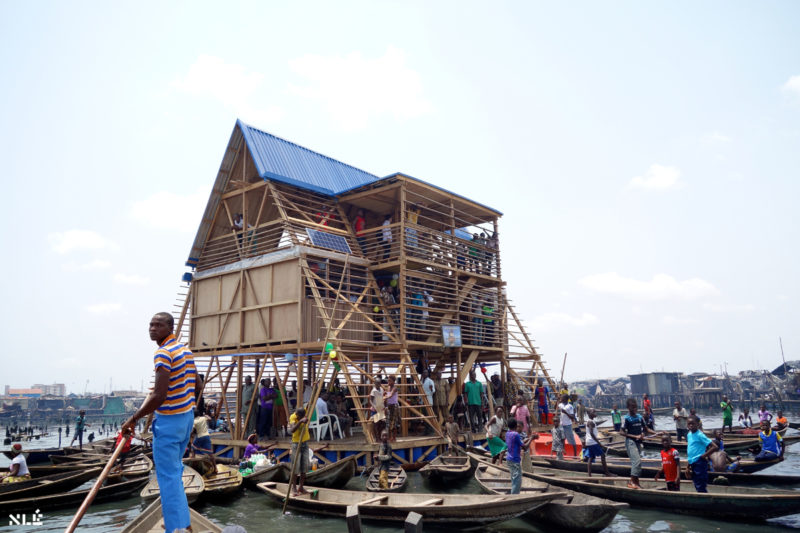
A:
<point x="178" y="360"/>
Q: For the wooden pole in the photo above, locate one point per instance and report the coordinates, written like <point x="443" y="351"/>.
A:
<point x="316" y="387"/>
<point x="92" y="493"/>
<point x="563" y="366"/>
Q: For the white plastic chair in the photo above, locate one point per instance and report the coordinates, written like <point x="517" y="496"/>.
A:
<point x="333" y="422"/>
<point x="321" y="428"/>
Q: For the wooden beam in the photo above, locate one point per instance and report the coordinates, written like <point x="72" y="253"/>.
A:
<point x="463" y="372"/>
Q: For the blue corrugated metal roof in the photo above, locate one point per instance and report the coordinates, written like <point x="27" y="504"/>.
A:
<point x="284" y="161"/>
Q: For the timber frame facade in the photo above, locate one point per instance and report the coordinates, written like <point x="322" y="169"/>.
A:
<point x="265" y="297"/>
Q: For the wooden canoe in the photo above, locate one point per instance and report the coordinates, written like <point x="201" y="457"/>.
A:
<point x="193" y="486"/>
<point x="151" y="521"/>
<point x="73" y="500"/>
<point x="46" y="485"/>
<point x="332" y="476"/>
<point x="226" y="482"/>
<point x="650" y="467"/>
<point x="575" y="512"/>
<point x="277" y="472"/>
<point x="454" y="511"/>
<point x="397" y="480"/>
<point x="448" y="469"/>
<point x="720" y="502"/>
<point x="37" y="456"/>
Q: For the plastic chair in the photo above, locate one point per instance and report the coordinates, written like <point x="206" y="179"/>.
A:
<point x="333" y="422"/>
<point x="321" y="428"/>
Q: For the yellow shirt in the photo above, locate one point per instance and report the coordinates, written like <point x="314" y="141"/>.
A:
<point x="296" y="434"/>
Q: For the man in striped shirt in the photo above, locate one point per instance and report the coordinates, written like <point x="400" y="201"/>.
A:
<point x="172" y="400"/>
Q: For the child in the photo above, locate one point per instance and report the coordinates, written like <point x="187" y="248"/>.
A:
<point x="521" y="413"/>
<point x="670" y="464"/>
<point x="494" y="428"/>
<point x="781" y="422"/>
<point x="558" y="438"/>
<point x="460" y="411"/>
<point x="593" y="445"/>
<point x="384" y="455"/>
<point x="515" y="445"/>
<point x="744" y="419"/>
<point x="770" y="440"/>
<point x="699" y="448"/>
<point x="616" y="418"/>
<point x="634" y="430"/>
<point x="763" y="414"/>
<point x="452" y="431"/>
<point x="693" y="412"/>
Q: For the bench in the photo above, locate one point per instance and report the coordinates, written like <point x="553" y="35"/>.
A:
<point x="373" y="500"/>
<point x="432" y="501"/>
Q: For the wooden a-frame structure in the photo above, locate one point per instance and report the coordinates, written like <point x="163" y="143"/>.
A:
<point x="264" y="292"/>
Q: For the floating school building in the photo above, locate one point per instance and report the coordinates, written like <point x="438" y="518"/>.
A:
<point x="297" y="250"/>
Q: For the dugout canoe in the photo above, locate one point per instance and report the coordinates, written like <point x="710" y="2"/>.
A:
<point x="721" y="502"/>
<point x="151" y="521"/>
<point x="224" y="483"/>
<point x="650" y="467"/>
<point x="397" y="480"/>
<point x="277" y="472"/>
<point x="575" y="512"/>
<point x="47" y="484"/>
<point x="193" y="486"/>
<point x="446" y="469"/>
<point x="332" y="476"/>
<point x="37" y="456"/>
<point x="72" y="500"/>
<point x="454" y="511"/>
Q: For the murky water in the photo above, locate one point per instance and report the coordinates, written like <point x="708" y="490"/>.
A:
<point x="255" y="512"/>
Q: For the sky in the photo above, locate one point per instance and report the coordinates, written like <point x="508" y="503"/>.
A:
<point x="644" y="155"/>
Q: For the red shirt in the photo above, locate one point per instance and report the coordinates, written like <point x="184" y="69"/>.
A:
<point x="669" y="461"/>
<point x="646" y="405"/>
<point x="360" y="225"/>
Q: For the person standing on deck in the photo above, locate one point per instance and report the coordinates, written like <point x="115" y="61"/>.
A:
<point x="428" y="386"/>
<point x="473" y="390"/>
<point x="172" y="400"/>
<point x="247" y="398"/>
<point x="360" y="225"/>
<point x="727" y="413"/>
<point x="681" y="418"/>
<point x="440" y="396"/>
<point x="266" y="397"/>
<point x="567" y="418"/>
<point x="386" y="236"/>
<point x="698" y="449"/>
<point x="514" y="443"/>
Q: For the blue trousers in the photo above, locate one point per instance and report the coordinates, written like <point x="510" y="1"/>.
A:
<point x="516" y="476"/>
<point x="700" y="475"/>
<point x="170" y="437"/>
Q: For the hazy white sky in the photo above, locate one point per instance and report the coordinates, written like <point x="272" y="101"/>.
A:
<point x="645" y="157"/>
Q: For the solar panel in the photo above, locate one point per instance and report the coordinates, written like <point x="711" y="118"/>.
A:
<point x="326" y="240"/>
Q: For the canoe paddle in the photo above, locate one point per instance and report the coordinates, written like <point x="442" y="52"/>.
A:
<point x="92" y="493"/>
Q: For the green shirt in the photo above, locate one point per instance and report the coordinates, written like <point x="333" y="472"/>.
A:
<point x="473" y="390"/>
<point x="727" y="410"/>
<point x="616" y="417"/>
<point x="279" y="398"/>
